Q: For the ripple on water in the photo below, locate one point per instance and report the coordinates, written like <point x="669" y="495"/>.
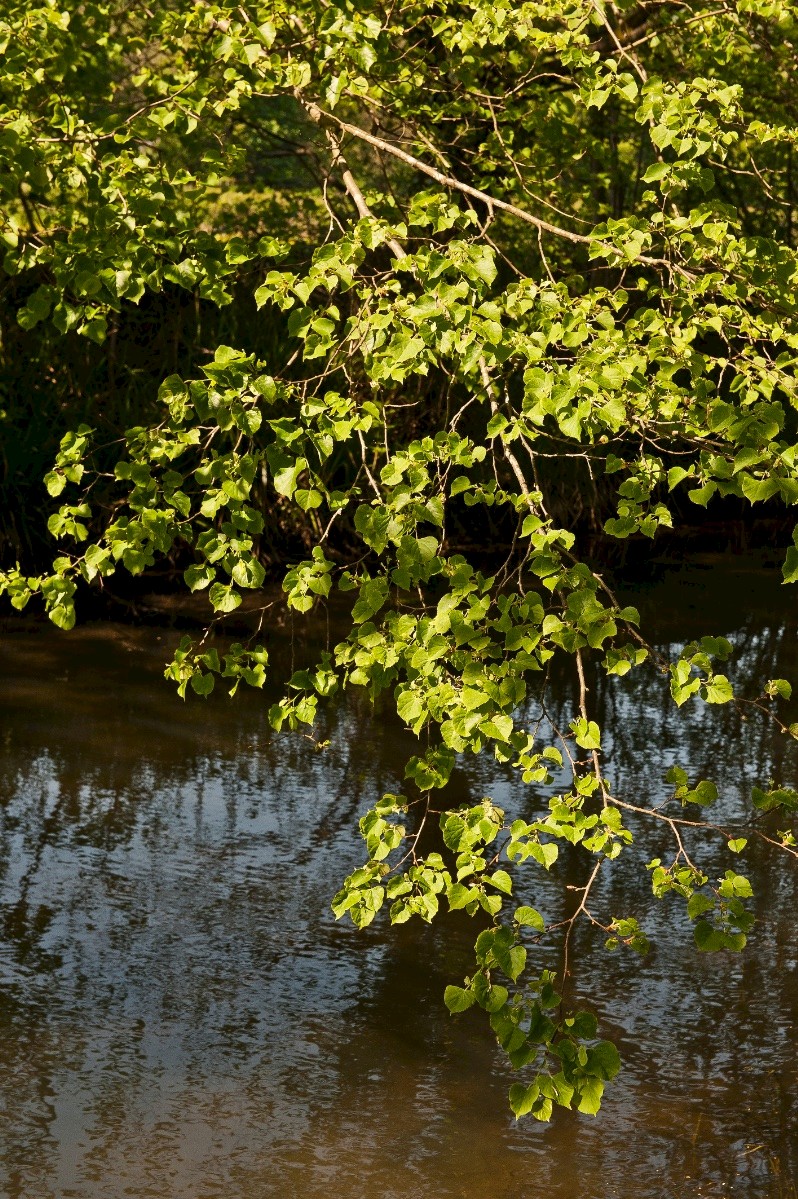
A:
<point x="181" y="1016"/>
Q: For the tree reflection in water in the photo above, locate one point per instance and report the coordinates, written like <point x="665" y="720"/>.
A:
<point x="180" y="1014"/>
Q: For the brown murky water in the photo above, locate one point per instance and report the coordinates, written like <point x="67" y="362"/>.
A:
<point x="182" y="1018"/>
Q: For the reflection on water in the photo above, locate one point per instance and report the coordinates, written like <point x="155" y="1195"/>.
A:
<point x="181" y="1017"/>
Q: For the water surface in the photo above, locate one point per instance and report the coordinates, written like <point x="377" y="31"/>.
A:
<point x="182" y="1018"/>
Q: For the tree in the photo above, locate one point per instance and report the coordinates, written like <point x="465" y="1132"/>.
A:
<point x="510" y="259"/>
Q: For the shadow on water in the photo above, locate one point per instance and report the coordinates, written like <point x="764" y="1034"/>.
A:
<point x="181" y="1017"/>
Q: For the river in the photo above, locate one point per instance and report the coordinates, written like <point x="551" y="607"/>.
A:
<point x="181" y="1017"/>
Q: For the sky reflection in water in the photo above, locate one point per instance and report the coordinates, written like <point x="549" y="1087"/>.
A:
<point x="181" y="1017"/>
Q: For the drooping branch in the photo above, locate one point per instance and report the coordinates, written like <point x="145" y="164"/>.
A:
<point x="355" y="193"/>
<point x="322" y="117"/>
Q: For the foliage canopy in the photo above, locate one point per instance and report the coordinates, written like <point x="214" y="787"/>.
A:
<point x="494" y="258"/>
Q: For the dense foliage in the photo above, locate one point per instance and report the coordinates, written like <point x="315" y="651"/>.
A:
<point x="489" y="269"/>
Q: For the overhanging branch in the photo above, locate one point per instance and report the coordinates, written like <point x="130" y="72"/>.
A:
<point x="321" y="117"/>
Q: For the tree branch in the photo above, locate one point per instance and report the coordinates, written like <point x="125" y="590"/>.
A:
<point x="321" y="117"/>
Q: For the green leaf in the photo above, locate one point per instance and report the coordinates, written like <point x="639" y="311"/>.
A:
<point x="409" y="706"/>
<point x="495" y="998"/>
<point x="198" y="577"/>
<point x="224" y="598"/>
<point x="459" y="896"/>
<point x="458" y="999"/>
<point x="778" y="797"/>
<point x="203" y="684"/>
<point x="704" y="793"/>
<point x="63" y="615"/>
<point x="675" y="476"/>
<point x="604" y="1060"/>
<point x="790" y="567"/>
<point x="707" y="938"/>
<point x="513" y="963"/>
<point x="590" y="1093"/>
<point x="698" y="904"/>
<point x="501" y="880"/>
<point x="717" y="690"/>
<point x="522" y="1098"/>
<point x="546" y="853"/>
<point x="588" y="734"/>
<point x="657" y="171"/>
<point x="55" y="482"/>
<point x="530" y="918"/>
